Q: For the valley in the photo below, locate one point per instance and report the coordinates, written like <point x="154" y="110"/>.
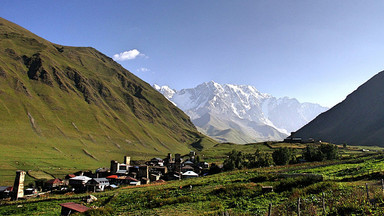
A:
<point x="69" y="115"/>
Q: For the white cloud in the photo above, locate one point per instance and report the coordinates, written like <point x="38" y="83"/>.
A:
<point x="127" y="55"/>
<point x="143" y="69"/>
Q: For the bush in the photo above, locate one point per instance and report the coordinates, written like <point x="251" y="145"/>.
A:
<point x="235" y="160"/>
<point x="321" y="153"/>
<point x="236" y="191"/>
<point x="259" y="159"/>
<point x="100" y="211"/>
<point x="238" y="160"/>
<point x="299" y="182"/>
<point x="214" y="169"/>
<point x="283" y="156"/>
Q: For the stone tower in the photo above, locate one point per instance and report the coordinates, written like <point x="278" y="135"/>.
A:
<point x="114" y="166"/>
<point x="18" y="187"/>
<point x="127" y="160"/>
<point x="177" y="162"/>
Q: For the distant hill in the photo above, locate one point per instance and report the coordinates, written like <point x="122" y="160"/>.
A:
<point x="358" y="120"/>
<point x="64" y="106"/>
<point x="240" y="113"/>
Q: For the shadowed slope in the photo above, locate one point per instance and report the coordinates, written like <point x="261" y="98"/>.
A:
<point x="358" y="120"/>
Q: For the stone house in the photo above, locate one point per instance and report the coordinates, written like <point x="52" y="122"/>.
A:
<point x="97" y="184"/>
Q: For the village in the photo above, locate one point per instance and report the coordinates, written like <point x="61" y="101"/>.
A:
<point x="127" y="173"/>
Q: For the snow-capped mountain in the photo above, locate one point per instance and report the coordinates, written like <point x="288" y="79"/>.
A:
<point x="165" y="90"/>
<point x="240" y="113"/>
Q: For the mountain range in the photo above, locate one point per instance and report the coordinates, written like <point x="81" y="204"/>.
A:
<point x="75" y="107"/>
<point x="358" y="120"/>
<point x="240" y="113"/>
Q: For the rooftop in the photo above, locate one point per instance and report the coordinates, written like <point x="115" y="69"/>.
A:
<point x="100" y="179"/>
<point x="4" y="188"/>
<point x="112" y="177"/>
<point x="82" y="178"/>
<point x="75" y="206"/>
<point x="54" y="181"/>
<point x="190" y="173"/>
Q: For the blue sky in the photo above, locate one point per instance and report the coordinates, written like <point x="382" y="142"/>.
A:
<point x="315" y="51"/>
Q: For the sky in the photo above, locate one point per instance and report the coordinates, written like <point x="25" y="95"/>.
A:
<point x="315" y="51"/>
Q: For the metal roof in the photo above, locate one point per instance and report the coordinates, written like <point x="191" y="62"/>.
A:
<point x="100" y="179"/>
<point x="190" y="173"/>
<point x="112" y="177"/>
<point x="82" y="178"/>
<point x="75" y="206"/>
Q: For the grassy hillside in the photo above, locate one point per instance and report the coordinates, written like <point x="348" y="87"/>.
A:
<point x="341" y="184"/>
<point x="74" y="108"/>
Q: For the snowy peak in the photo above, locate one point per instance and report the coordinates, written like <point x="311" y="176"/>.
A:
<point x="242" y="109"/>
<point x="165" y="90"/>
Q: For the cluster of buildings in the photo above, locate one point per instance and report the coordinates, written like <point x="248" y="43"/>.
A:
<point x="157" y="169"/>
<point x="293" y="139"/>
<point x="125" y="173"/>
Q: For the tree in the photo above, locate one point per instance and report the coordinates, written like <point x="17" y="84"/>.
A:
<point x="214" y="169"/>
<point x="321" y="153"/>
<point x="259" y="159"/>
<point x="235" y="160"/>
<point x="329" y="151"/>
<point x="310" y="153"/>
<point x="265" y="160"/>
<point x="283" y="156"/>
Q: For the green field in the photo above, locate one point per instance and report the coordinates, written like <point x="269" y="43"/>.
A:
<point x="217" y="152"/>
<point x="240" y="193"/>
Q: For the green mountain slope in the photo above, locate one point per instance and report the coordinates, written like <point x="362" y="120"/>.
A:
<point x="74" y="107"/>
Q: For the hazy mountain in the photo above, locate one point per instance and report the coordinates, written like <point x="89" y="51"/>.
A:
<point x="240" y="113"/>
<point x="358" y="120"/>
<point x="73" y="106"/>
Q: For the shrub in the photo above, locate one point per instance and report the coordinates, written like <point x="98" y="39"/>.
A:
<point x="321" y="153"/>
<point x="259" y="159"/>
<point x="214" y="169"/>
<point x="100" y="211"/>
<point x="235" y="160"/>
<point x="283" y="156"/>
<point x="299" y="182"/>
<point x="238" y="160"/>
<point x="236" y="190"/>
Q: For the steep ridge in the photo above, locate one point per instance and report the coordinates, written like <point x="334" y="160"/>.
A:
<point x="358" y="120"/>
<point x="240" y="113"/>
<point x="58" y="102"/>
